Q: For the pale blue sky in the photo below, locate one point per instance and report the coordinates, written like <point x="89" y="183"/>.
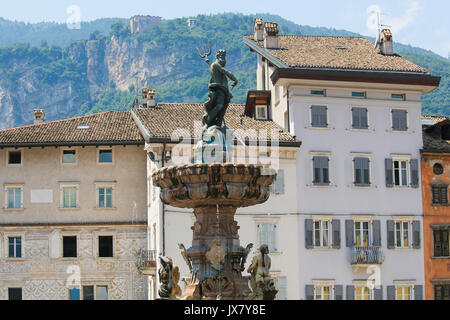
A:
<point x="423" y="23"/>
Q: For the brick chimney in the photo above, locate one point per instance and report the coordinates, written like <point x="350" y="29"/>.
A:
<point x="38" y="115"/>
<point x="386" y="43"/>
<point x="270" y="35"/>
<point x="258" y="29"/>
<point x="148" y="98"/>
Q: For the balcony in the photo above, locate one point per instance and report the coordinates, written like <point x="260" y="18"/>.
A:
<point x="366" y="256"/>
<point x="146" y="262"/>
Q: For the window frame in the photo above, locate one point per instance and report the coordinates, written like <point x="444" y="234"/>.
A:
<point x="21" y="150"/>
<point x="441" y="256"/>
<point x="105" y="185"/>
<point x="320" y="184"/>
<point x="266" y="112"/>
<point x="361" y="286"/>
<point x="369" y="229"/>
<point x="97" y="244"/>
<point x="351" y="119"/>
<point x="317" y="94"/>
<point x="439" y="186"/>
<point x="310" y="126"/>
<point x="64" y="185"/>
<point x="407" y="169"/>
<point x="6" y="237"/>
<point x="69" y="163"/>
<point x="77" y="245"/>
<point x="410" y="235"/>
<point x="399" y="284"/>
<point x="15" y="186"/>
<point x="391" y="109"/>
<point x="15" y="287"/>
<point x="359" y="97"/>
<point x="105" y="149"/>
<point x="321" y="220"/>
<point x="368" y="156"/>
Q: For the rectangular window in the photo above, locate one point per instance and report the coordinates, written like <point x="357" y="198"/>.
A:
<point x="105" y="156"/>
<point x="363" y="293"/>
<point x="322" y="234"/>
<point x="358" y="94"/>
<point x="105" y="197"/>
<point x="317" y="92"/>
<point x="399" y="120"/>
<point x="102" y="292"/>
<point x="14" y="293"/>
<point x="402" y="234"/>
<point x="88" y="292"/>
<point x="362" y="173"/>
<point x="441" y="243"/>
<point x="323" y="292"/>
<point x="69" y="156"/>
<point x="403" y="292"/>
<point x="442" y="292"/>
<point x="398" y="96"/>
<point x="278" y="186"/>
<point x="69" y="246"/>
<point x="267" y="235"/>
<point x="105" y="246"/>
<point x="15" y="247"/>
<point x="14" y="195"/>
<point x="359" y="118"/>
<point x="319" y="117"/>
<point x="439" y="194"/>
<point x="362" y="233"/>
<point x="321" y="170"/>
<point x="14" y="157"/>
<point x="400" y="173"/>
<point x="261" y="112"/>
<point x="69" y="197"/>
<point x="74" y="293"/>
<point x="281" y="285"/>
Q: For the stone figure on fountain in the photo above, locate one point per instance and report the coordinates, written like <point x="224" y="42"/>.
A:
<point x="169" y="275"/>
<point x="261" y="283"/>
<point x="214" y="144"/>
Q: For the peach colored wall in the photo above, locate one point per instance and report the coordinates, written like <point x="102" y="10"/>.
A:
<point x="435" y="268"/>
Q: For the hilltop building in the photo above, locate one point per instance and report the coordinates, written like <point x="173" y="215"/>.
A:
<point x="141" y="23"/>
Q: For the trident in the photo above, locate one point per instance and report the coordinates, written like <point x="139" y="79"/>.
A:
<point x="205" y="55"/>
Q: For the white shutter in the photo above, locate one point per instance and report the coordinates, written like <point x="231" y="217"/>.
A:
<point x="55" y="244"/>
<point x="282" y="288"/>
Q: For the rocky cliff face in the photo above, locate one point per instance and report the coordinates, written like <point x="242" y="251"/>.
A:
<point x="88" y="68"/>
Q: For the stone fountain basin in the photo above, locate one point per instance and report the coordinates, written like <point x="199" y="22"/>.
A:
<point x="223" y="184"/>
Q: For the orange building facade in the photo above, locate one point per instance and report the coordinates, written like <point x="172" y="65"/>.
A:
<point x="435" y="168"/>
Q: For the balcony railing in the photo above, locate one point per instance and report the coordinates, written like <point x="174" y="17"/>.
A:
<point x="367" y="255"/>
<point x="145" y="259"/>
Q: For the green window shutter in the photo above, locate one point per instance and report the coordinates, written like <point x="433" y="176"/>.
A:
<point x="376" y="233"/>
<point x="445" y="243"/>
<point x="325" y="170"/>
<point x="391" y="292"/>
<point x="356" y="118"/>
<point x="350" y="292"/>
<point x="366" y="170"/>
<point x="338" y="292"/>
<point x="395" y="120"/>
<point x="309" y="292"/>
<point x="378" y="293"/>
<point x="414" y="166"/>
<point x="336" y="228"/>
<point x="316" y="170"/>
<point x="390" y="234"/>
<point x="358" y="171"/>
<point x="363" y="119"/>
<point x="389" y="173"/>
<point x="349" y="233"/>
<point x="416" y="234"/>
<point x="309" y="225"/>
<point x="403" y="121"/>
<point x="418" y="292"/>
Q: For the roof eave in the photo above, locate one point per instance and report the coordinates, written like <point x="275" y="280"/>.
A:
<point x="408" y="78"/>
<point x="71" y="143"/>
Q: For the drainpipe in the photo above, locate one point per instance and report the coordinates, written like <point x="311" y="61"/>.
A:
<point x="163" y="222"/>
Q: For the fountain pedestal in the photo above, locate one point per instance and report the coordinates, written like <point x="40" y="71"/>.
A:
<point x="215" y="191"/>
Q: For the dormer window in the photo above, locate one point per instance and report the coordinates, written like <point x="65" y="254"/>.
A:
<point x="261" y="112"/>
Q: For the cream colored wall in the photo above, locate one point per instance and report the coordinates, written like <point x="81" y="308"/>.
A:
<point x="42" y="169"/>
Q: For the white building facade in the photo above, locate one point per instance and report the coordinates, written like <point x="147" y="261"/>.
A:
<point x="359" y="206"/>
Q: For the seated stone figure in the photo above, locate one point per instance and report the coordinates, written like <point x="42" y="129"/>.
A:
<point x="261" y="283"/>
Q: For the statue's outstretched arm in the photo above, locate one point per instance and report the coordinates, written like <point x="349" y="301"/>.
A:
<point x="229" y="75"/>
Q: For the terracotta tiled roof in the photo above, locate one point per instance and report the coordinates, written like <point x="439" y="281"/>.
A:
<point x="336" y="53"/>
<point x="436" y="119"/>
<point x="433" y="137"/>
<point x="163" y="120"/>
<point x="110" y="126"/>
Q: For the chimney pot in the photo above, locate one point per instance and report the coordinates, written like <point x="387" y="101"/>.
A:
<point x="38" y="116"/>
<point x="386" y="43"/>
<point x="258" y="29"/>
<point x="148" y="98"/>
<point x="270" y="35"/>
